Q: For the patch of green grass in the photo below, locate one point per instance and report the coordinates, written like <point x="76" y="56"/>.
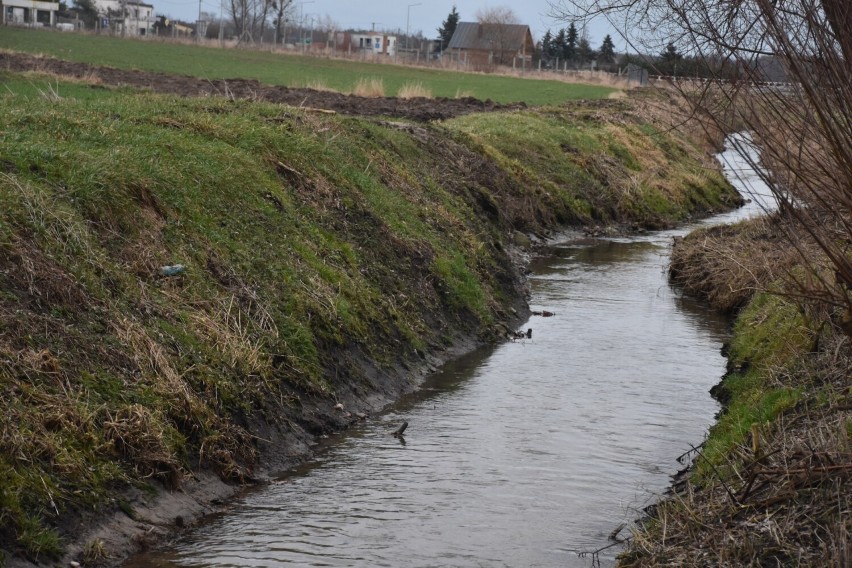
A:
<point x="286" y="69"/>
<point x="768" y="335"/>
<point x="49" y="90"/>
<point x="38" y="541"/>
<point x="464" y="289"/>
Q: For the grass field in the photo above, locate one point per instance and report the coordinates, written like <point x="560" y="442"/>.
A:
<point x="287" y="70"/>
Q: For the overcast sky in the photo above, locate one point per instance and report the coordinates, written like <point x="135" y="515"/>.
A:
<point x="391" y="14"/>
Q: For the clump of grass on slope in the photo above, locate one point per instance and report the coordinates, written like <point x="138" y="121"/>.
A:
<point x="602" y="166"/>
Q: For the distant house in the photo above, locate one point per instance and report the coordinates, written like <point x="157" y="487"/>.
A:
<point x="166" y="27"/>
<point x="28" y="12"/>
<point x="376" y="43"/>
<point x="126" y="17"/>
<point x="480" y="44"/>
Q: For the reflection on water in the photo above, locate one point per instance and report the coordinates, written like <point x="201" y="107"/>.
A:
<point x="519" y="455"/>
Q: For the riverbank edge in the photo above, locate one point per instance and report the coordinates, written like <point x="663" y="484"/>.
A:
<point x="164" y="516"/>
<point x="771" y="482"/>
<point x="145" y="520"/>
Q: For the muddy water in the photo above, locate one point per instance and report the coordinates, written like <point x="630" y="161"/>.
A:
<point x="521" y="455"/>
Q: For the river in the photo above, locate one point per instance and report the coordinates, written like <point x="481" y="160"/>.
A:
<point x="521" y="455"/>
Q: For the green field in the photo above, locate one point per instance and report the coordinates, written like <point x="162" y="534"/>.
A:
<point x="287" y="70"/>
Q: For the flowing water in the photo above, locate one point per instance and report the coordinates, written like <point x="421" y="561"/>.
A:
<point x="520" y="455"/>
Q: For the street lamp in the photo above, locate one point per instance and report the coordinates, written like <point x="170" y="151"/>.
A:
<point x="407" y="19"/>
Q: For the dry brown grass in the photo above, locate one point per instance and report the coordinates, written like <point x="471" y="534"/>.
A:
<point x="373" y="87"/>
<point x="727" y="264"/>
<point x="225" y="446"/>
<point x="233" y="332"/>
<point x="788" y="500"/>
<point x="319" y="85"/>
<point x="414" y="91"/>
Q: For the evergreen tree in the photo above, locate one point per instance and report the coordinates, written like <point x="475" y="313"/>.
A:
<point x="585" y="53"/>
<point x="669" y="59"/>
<point x="569" y="51"/>
<point x="448" y="28"/>
<point x="559" y="45"/>
<point x="670" y="54"/>
<point x="606" y="55"/>
<point x="546" y="48"/>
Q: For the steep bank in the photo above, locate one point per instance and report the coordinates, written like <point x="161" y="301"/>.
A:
<point x="201" y="286"/>
<point x="771" y="485"/>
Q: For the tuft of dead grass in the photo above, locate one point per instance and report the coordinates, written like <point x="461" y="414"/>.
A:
<point x="373" y="87"/>
<point x="141" y="435"/>
<point x="727" y="264"/>
<point x="414" y="91"/>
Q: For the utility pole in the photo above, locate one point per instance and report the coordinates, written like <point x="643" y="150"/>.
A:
<point x="407" y="19"/>
<point x="302" y="21"/>
<point x="222" y="23"/>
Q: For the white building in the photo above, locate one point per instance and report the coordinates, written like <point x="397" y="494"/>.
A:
<point x="376" y="43"/>
<point x="28" y="12"/>
<point x="127" y="17"/>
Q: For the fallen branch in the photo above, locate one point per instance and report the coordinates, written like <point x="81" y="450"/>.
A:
<point x="398" y="433"/>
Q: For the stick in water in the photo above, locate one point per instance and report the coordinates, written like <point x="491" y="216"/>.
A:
<point x="400" y="430"/>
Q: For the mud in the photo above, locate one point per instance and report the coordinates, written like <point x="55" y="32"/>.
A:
<point x="419" y="109"/>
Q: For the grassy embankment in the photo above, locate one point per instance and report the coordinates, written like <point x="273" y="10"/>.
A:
<point x="286" y="69"/>
<point x="771" y="484"/>
<point x="620" y="168"/>
<point x="322" y="255"/>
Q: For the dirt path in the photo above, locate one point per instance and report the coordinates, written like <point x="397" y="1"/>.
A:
<point x="420" y="109"/>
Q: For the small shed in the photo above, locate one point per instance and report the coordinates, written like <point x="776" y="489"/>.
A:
<point x="481" y="44"/>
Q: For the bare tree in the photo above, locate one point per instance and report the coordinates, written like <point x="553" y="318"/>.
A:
<point x="802" y="128"/>
<point x="494" y="22"/>
<point x="496" y="15"/>
<point x="250" y="17"/>
<point x="280" y="10"/>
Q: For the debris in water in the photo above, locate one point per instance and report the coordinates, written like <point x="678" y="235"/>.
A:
<point x="399" y="431"/>
<point x="515" y="335"/>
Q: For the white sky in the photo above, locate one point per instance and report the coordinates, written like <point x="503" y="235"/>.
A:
<point x="391" y="15"/>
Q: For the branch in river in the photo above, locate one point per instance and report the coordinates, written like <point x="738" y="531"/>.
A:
<point x="398" y="433"/>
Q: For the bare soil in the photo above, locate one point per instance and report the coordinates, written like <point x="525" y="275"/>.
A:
<point x="419" y="109"/>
